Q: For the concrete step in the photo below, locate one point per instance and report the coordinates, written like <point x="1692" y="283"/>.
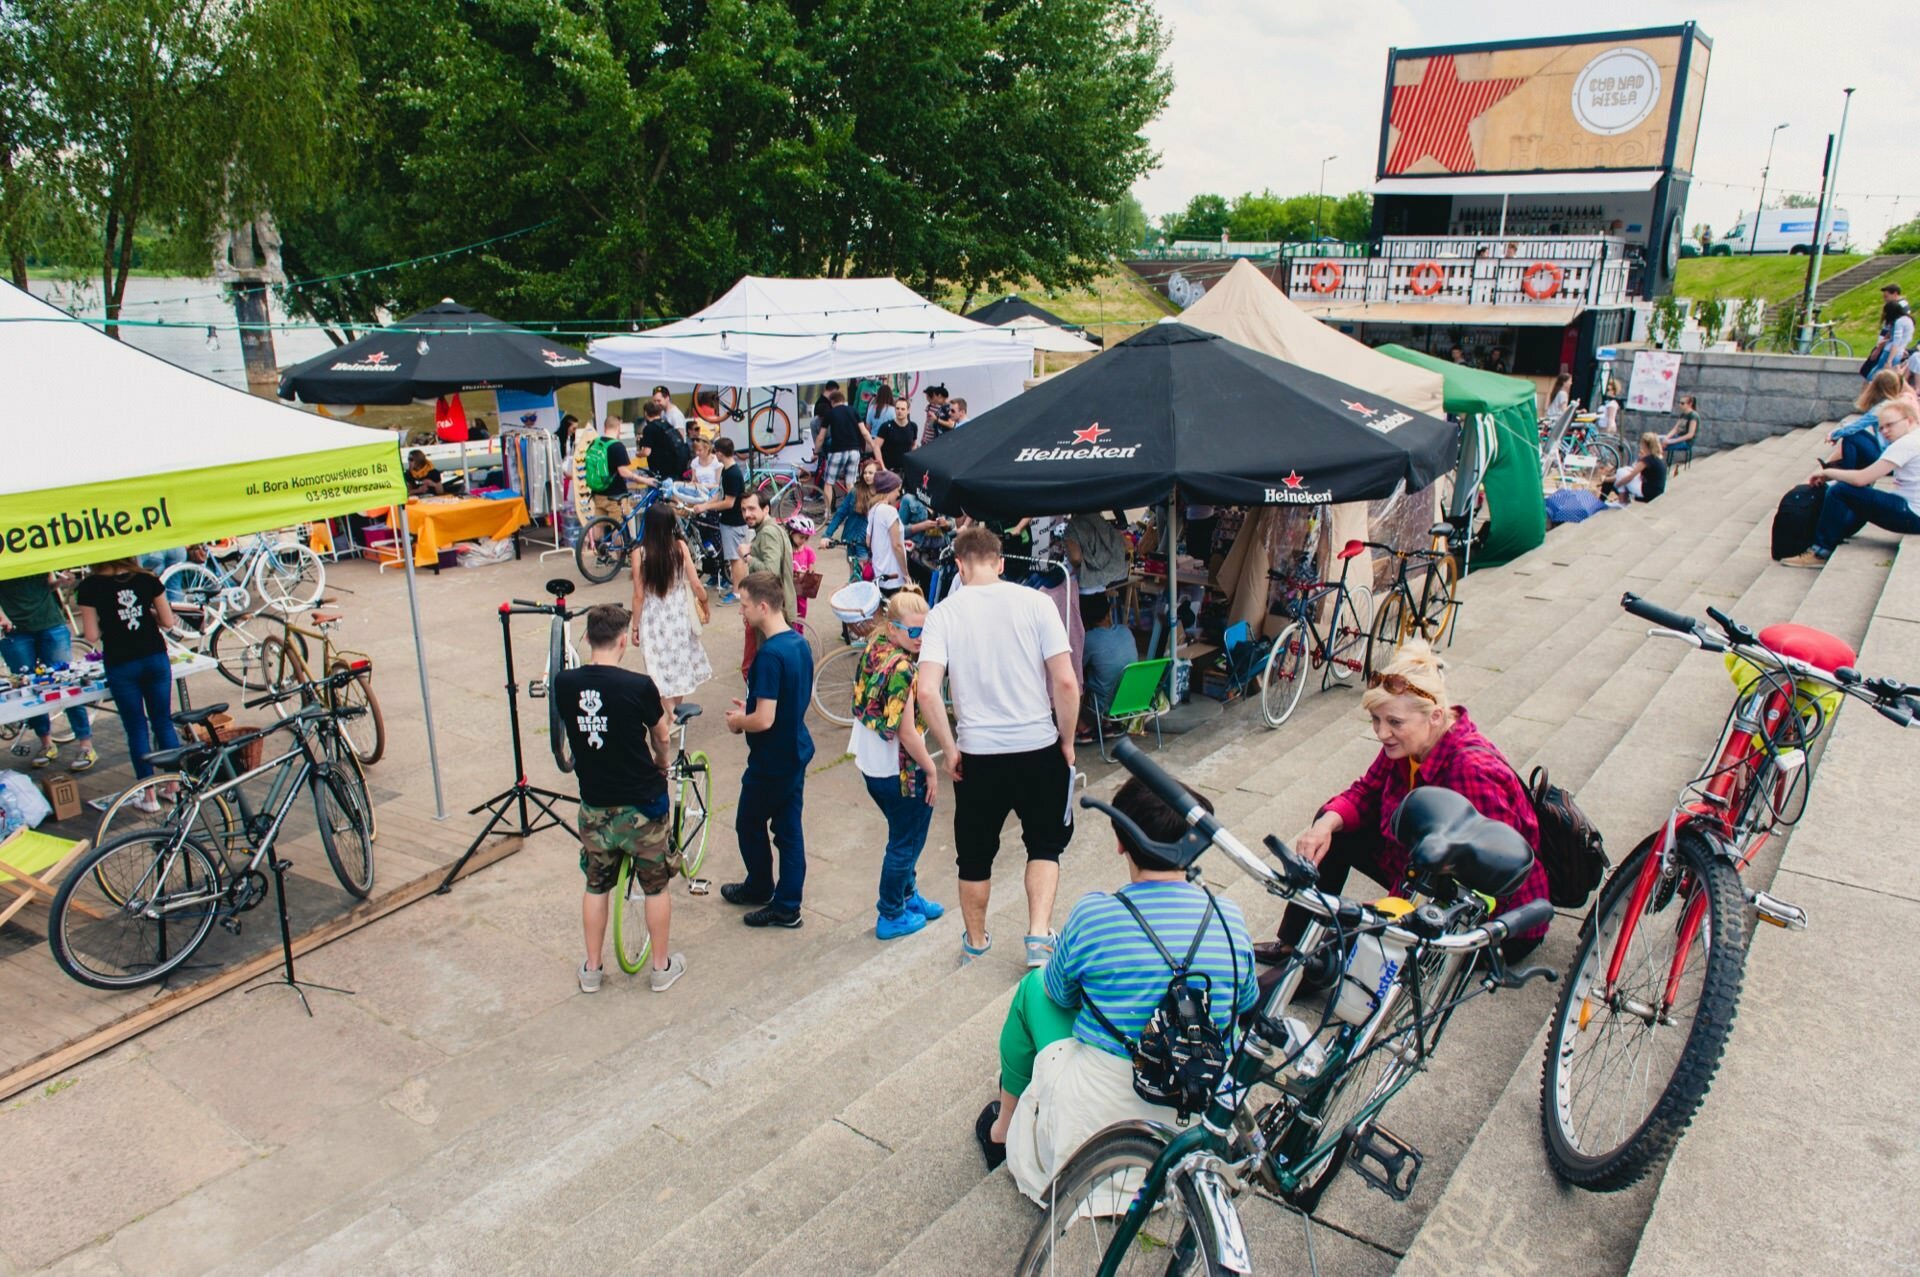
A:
<point x="1503" y="1201"/>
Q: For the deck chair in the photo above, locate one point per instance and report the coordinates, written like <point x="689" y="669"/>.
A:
<point x="30" y="867"/>
<point x="1136" y="699"/>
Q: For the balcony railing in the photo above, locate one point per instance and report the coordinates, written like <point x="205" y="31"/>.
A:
<point x="1516" y="270"/>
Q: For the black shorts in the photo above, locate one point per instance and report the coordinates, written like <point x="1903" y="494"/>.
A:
<point x="1032" y="784"/>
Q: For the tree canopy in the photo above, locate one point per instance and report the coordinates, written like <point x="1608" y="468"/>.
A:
<point x="1267" y="217"/>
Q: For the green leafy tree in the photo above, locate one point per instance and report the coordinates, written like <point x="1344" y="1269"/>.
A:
<point x="1351" y="218"/>
<point x="1904" y="238"/>
<point x="181" y="117"/>
<point x="1793" y="199"/>
<point x="1204" y="218"/>
<point x="1126" y="224"/>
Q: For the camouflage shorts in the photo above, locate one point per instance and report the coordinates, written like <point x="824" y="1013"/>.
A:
<point x="608" y="833"/>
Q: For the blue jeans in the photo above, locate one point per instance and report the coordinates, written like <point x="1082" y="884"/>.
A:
<point x="23" y="649"/>
<point x="1846" y="509"/>
<point x="771" y="804"/>
<point x="908" y="817"/>
<point x="143" y="691"/>
<point x="159" y="561"/>
<point x="1860" y="449"/>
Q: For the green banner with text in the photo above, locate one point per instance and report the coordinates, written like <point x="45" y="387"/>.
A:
<point x="90" y="523"/>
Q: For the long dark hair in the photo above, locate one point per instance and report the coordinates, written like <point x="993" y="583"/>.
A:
<point x="883" y="397"/>
<point x="659" y="550"/>
<point x="1891" y="312"/>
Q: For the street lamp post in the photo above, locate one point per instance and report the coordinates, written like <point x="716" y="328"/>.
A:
<point x="1321" y="197"/>
<point x="1764" y="169"/>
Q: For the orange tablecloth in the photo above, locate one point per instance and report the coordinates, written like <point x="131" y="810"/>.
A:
<point x="437" y="525"/>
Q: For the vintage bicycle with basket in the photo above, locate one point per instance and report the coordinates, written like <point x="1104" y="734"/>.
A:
<point x="1295" y="1105"/>
<point x="1650" y="999"/>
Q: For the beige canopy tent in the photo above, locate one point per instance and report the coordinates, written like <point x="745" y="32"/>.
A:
<point x="1248" y="308"/>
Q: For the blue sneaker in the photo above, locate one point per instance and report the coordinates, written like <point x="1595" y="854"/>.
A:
<point x="924" y="907"/>
<point x="893" y="928"/>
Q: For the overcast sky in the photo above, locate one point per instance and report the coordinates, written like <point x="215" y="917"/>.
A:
<point x="1264" y="88"/>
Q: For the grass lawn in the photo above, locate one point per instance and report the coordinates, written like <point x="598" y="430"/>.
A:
<point x="1858" y="310"/>
<point x="1772" y="277"/>
<point x="1114" y="306"/>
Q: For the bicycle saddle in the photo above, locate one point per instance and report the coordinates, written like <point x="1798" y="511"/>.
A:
<point x="1351" y="550"/>
<point x="182" y="758"/>
<point x="322" y="618"/>
<point x="1445" y="835"/>
<point x="1442" y="529"/>
<point x="684" y="711"/>
<point x="196" y="717"/>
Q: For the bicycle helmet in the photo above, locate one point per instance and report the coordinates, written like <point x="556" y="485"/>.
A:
<point x="800" y="524"/>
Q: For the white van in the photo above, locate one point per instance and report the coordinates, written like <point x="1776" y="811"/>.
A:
<point x="1781" y="230"/>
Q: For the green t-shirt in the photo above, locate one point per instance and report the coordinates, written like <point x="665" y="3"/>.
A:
<point x="30" y="603"/>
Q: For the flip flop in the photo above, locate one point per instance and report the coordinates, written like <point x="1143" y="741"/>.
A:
<point x="993" y="1150"/>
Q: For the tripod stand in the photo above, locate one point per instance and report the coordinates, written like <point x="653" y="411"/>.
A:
<point x="299" y="987"/>
<point x="532" y="804"/>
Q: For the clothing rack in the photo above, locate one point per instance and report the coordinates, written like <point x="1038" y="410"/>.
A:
<point x="533" y="470"/>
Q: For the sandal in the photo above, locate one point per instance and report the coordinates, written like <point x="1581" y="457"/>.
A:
<point x="993" y="1150"/>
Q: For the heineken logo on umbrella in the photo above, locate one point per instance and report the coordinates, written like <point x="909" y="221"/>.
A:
<point x="1385" y="423"/>
<point x="1293" y="490"/>
<point x="1084" y="446"/>
<point x="371" y="361"/>
<point x="555" y="359"/>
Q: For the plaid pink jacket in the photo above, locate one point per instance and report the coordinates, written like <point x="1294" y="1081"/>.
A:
<point x="1469" y="764"/>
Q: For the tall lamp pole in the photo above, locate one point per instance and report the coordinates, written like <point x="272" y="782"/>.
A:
<point x="1829" y="178"/>
<point x="1321" y="197"/>
<point x="1764" y="170"/>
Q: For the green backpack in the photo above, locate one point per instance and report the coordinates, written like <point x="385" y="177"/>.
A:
<point x="595" y="466"/>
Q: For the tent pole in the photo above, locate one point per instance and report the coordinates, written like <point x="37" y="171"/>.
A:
<point x="1173" y="572"/>
<point x="420" y="662"/>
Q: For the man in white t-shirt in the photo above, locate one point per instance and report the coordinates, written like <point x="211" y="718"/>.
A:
<point x="1003" y="651"/>
<point x="886" y="539"/>
<point x="671" y="410"/>
<point x="1852" y="502"/>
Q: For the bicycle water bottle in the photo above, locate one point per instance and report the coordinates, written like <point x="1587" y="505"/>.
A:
<point x="1373" y="964"/>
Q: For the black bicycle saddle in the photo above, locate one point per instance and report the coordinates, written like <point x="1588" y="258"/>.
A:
<point x="194" y="717"/>
<point x="684" y="711"/>
<point x="1445" y="835"/>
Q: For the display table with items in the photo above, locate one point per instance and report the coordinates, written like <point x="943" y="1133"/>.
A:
<point x="440" y="523"/>
<point x="84" y="682"/>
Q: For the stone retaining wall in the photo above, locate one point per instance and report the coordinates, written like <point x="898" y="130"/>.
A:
<point x="1745" y="398"/>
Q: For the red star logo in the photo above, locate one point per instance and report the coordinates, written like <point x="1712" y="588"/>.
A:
<point x="1357" y="407"/>
<point x="376" y="356"/>
<point x="1433" y="116"/>
<point x="1091" y="434"/>
<point x="1293" y="479"/>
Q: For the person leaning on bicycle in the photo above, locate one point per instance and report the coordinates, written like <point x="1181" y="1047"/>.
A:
<point x="618" y="730"/>
<point x="609" y="469"/>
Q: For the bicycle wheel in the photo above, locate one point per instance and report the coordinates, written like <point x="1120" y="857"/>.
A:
<point x="601" y="551"/>
<point x="770" y="430"/>
<point x="338" y="751"/>
<point x="1438" y="599"/>
<point x="632" y="946"/>
<point x="1623" y="1077"/>
<point x="203" y="601"/>
<point x="366" y="732"/>
<point x="813" y="499"/>
<point x="237" y="648"/>
<point x="282" y="668"/>
<point x="216" y="826"/>
<point x="728" y="403"/>
<point x="1832" y="348"/>
<point x="171" y="893"/>
<point x="1285" y="675"/>
<point x="691" y="807"/>
<point x="782" y="497"/>
<point x="833" y="685"/>
<point x="560" y="656"/>
<point x="1389" y="621"/>
<point x="343" y="832"/>
<point x="1347" y="644"/>
<point x="1093" y="1190"/>
<point x="289" y="577"/>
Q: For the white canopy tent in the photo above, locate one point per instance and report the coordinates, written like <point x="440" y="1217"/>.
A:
<point x="198" y="461"/>
<point x="766" y="333"/>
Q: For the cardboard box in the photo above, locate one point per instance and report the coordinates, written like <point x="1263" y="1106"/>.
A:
<point x="64" y="796"/>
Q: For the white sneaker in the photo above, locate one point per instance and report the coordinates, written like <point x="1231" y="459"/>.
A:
<point x="146" y="801"/>
<point x="590" y="980"/>
<point x="661" y="979"/>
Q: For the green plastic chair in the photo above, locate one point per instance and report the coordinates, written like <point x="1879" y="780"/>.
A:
<point x="1136" y="699"/>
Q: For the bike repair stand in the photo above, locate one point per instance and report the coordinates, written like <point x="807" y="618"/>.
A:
<point x="299" y="987"/>
<point x="520" y="797"/>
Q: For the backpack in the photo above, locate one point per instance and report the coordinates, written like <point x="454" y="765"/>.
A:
<point x="1181" y="1055"/>
<point x="1571" y="848"/>
<point x="594" y="468"/>
<point x="1795" y="520"/>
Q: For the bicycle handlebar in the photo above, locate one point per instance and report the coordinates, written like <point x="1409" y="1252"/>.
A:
<point x="334" y="681"/>
<point x="1660" y="616"/>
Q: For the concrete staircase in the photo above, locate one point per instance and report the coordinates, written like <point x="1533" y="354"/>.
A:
<point x="1857" y="274"/>
<point x="816" y="1118"/>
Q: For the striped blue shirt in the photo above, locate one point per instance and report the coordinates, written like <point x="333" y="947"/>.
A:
<point x="1103" y="955"/>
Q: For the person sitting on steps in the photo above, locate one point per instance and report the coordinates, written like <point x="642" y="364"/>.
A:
<point x="1063" y="1074"/>
<point x="1857" y="443"/>
<point x="1645" y="479"/>
<point x="1852" y="502"/>
<point x="1686" y="427"/>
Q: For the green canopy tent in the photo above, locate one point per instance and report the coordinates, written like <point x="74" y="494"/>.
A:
<point x="198" y="462"/>
<point x="1500" y="452"/>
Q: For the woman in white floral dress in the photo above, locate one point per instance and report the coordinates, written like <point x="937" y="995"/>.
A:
<point x="666" y="590"/>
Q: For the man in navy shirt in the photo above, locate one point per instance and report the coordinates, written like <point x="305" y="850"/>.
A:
<point x="774" y="719"/>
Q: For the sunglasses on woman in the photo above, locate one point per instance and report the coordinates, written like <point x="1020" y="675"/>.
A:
<point x="911" y="631"/>
<point x="1397" y="685"/>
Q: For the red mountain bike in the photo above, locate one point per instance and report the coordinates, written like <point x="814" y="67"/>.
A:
<point x="1643" y="1021"/>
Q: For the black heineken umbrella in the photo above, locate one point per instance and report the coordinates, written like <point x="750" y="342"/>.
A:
<point x="443" y="350"/>
<point x="1013" y="306"/>
<point x="1176" y="407"/>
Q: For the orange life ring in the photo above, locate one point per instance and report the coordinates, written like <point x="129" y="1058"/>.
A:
<point x="1325" y="277"/>
<point x="1426" y="271"/>
<point x="1553" y="274"/>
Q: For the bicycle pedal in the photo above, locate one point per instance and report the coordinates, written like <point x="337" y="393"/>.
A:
<point x="231" y="924"/>
<point x="1385" y="1161"/>
<point x="699" y="886"/>
<point x="1772" y="909"/>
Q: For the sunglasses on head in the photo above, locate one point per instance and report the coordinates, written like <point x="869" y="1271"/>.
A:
<point x="1397" y="685"/>
<point x="911" y="631"/>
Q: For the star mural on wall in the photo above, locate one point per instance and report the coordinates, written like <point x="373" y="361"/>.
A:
<point x="1434" y="115"/>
